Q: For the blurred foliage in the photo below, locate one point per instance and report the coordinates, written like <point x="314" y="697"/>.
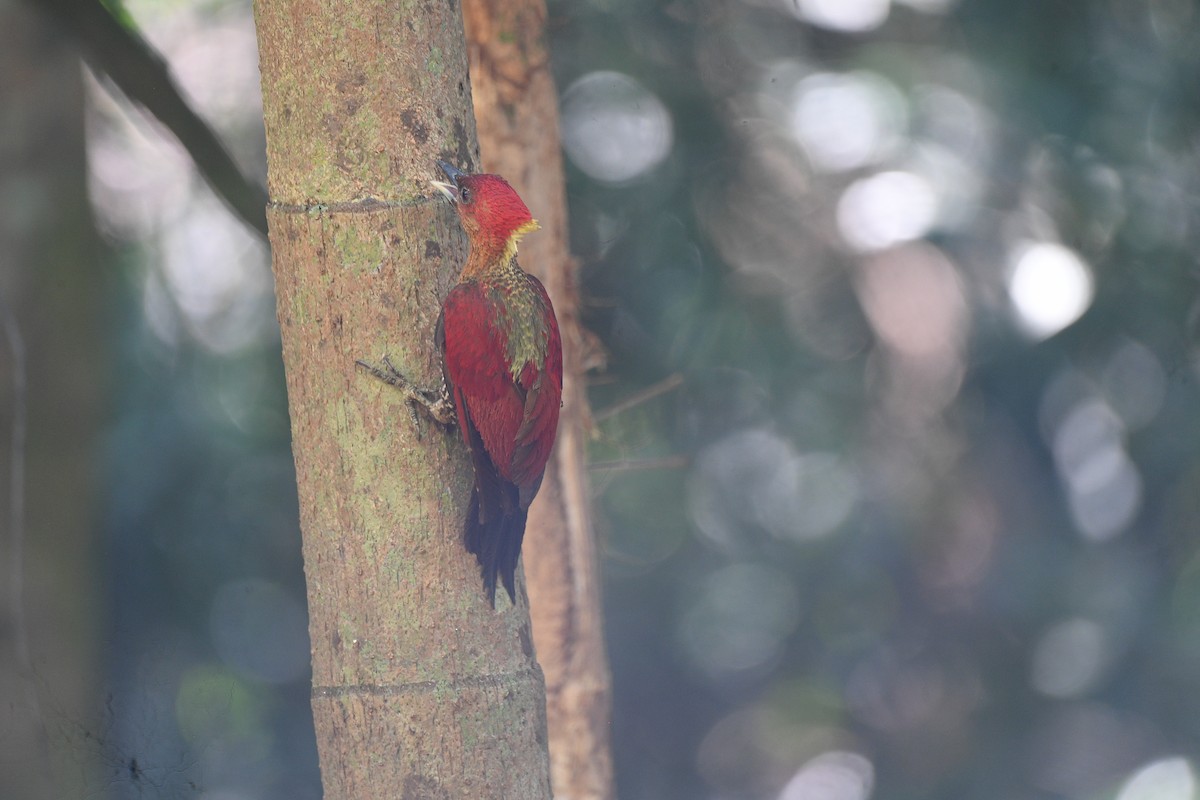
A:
<point x="912" y="530"/>
<point x="932" y="528"/>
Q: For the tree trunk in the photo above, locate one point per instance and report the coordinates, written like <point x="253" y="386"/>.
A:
<point x="52" y="291"/>
<point x="420" y="689"/>
<point x="517" y="108"/>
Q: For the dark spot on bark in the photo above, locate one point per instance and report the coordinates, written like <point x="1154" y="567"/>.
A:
<point x="439" y="113"/>
<point x="432" y="249"/>
<point x="462" y="88"/>
<point x="420" y="787"/>
<point x="355" y="81"/>
<point x="419" y="132"/>
<point x="462" y="155"/>
<point x="526" y="641"/>
<point x="337" y="641"/>
<point x="337" y="323"/>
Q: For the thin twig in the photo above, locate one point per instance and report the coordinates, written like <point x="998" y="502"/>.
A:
<point x="631" y="464"/>
<point x="672" y="381"/>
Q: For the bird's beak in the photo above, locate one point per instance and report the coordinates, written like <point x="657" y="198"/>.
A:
<point x="452" y="172"/>
<point x="449" y="189"/>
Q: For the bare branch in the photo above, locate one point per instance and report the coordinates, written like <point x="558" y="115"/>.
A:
<point x="142" y="74"/>
<point x="673" y="381"/>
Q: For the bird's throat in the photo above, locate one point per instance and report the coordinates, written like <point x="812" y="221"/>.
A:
<point x="510" y="245"/>
<point x="495" y="257"/>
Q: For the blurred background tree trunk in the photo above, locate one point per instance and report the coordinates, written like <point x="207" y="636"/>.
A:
<point x="516" y="106"/>
<point x="420" y="689"/>
<point x="53" y="288"/>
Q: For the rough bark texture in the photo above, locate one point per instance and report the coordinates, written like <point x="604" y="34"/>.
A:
<point x="52" y="282"/>
<point x="420" y="689"/>
<point x="517" y="108"/>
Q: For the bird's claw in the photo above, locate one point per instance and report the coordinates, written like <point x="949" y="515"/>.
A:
<point x="436" y="404"/>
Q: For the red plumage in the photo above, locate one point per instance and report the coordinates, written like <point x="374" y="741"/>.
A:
<point x="502" y="359"/>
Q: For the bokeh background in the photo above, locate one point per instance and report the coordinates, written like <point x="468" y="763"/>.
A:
<point x="920" y="517"/>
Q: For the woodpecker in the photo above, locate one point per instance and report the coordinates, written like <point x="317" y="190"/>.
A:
<point x="502" y="362"/>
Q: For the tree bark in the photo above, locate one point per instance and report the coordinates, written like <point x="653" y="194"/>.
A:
<point x="517" y="108"/>
<point x="420" y="689"/>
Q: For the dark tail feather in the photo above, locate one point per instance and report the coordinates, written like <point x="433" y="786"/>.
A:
<point x="496" y="543"/>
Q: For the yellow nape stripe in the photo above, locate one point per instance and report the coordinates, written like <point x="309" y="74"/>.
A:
<point x="510" y="247"/>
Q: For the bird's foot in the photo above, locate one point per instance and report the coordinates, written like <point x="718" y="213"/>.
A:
<point x="435" y="403"/>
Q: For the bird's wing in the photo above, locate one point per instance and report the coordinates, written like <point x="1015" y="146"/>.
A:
<point x="474" y="356"/>
<point x="542" y="384"/>
<point x="515" y="420"/>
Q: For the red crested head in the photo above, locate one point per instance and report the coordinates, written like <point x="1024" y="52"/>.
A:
<point x="492" y="214"/>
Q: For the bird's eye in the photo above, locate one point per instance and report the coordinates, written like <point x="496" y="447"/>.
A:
<point x="464" y="194"/>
